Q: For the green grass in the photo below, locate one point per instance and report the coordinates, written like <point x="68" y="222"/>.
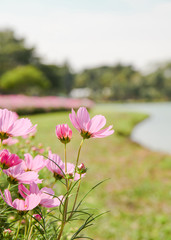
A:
<point x="138" y="193"/>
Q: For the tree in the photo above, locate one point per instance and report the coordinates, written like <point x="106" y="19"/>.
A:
<point x="53" y="73"/>
<point x="13" y="52"/>
<point x="25" y="80"/>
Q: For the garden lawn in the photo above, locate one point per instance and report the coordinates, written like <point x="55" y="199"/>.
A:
<point x="138" y="193"/>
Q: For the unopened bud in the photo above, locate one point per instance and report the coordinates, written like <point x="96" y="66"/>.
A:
<point x="81" y="169"/>
<point x="40" y="145"/>
<point x="64" y="133"/>
<point x="37" y="217"/>
<point x="69" y="175"/>
<point x="23" y="221"/>
<point x="7" y="232"/>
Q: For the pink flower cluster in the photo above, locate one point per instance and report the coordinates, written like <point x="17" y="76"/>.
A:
<point x="48" y="103"/>
<point x="25" y="171"/>
<point x="32" y="198"/>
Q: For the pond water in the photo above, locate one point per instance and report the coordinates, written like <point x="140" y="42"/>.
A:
<point x="154" y="132"/>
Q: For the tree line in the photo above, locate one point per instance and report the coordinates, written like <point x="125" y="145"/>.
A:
<point x="22" y="71"/>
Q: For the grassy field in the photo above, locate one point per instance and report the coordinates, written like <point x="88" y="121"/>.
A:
<point x="138" y="193"/>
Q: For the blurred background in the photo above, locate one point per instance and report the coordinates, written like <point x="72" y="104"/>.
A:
<point x="114" y="57"/>
<point x="105" y="50"/>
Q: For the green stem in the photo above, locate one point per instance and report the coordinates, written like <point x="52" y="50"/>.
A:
<point x="66" y="200"/>
<point x="29" y="237"/>
<point x="25" y="230"/>
<point x="75" y="199"/>
<point x="78" y="156"/>
<point x="28" y="232"/>
<point x="9" y="185"/>
<point x="76" y="165"/>
<point x="18" y="229"/>
<point x="63" y="217"/>
<point x="61" y="231"/>
<point x="65" y="159"/>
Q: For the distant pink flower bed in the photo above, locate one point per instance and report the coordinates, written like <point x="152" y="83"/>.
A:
<point x="26" y="104"/>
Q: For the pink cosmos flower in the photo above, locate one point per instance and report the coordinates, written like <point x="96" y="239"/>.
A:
<point x="64" y="133"/>
<point x="90" y="128"/>
<point x="11" y="126"/>
<point x="33" y="164"/>
<point x="57" y="167"/>
<point x="31" y="201"/>
<point x="46" y="195"/>
<point x="18" y="174"/>
<point x="10" y="141"/>
<point x="8" y="160"/>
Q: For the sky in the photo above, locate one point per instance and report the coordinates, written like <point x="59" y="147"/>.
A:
<point x="90" y="33"/>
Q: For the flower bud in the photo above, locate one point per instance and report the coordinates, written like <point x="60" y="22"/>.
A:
<point x="7" y="232"/>
<point x="81" y="169"/>
<point x="64" y="133"/>
<point x="34" y="149"/>
<point x="23" y="221"/>
<point x="37" y="217"/>
<point x="69" y="175"/>
<point x="40" y="145"/>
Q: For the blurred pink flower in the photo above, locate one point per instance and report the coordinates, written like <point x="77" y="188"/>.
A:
<point x="32" y="134"/>
<point x="57" y="167"/>
<point x="64" y="133"/>
<point x="48" y="103"/>
<point x="33" y="164"/>
<point x="8" y="160"/>
<point x="37" y="217"/>
<point x="10" y="141"/>
<point x="31" y="201"/>
<point x="38" y="150"/>
<point x="46" y="195"/>
<point x="7" y="233"/>
<point x="7" y="230"/>
<point x="90" y="128"/>
<point x="11" y="126"/>
<point x="18" y="174"/>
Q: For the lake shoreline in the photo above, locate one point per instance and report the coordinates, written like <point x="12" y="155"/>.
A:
<point x="155" y="132"/>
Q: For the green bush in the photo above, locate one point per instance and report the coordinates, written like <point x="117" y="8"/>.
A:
<point x="24" y="79"/>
